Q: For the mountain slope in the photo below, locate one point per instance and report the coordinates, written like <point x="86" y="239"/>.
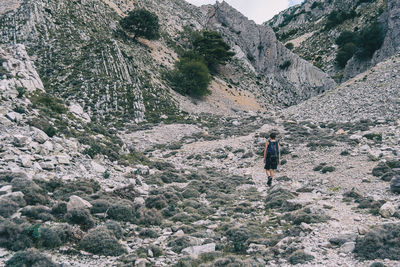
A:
<point x="313" y="27"/>
<point x="374" y="94"/>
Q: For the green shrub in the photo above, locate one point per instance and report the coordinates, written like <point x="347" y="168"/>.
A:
<point x="381" y="243"/>
<point x="149" y="217"/>
<point x="212" y="47"/>
<point x="238" y="237"/>
<point x="191" y="78"/>
<point x="158" y="201"/>
<point x="115" y="228"/>
<point x="59" y="209"/>
<point x="300" y="257"/>
<point x="147" y="232"/>
<point x="81" y="217"/>
<point x="122" y="210"/>
<point x="33" y="194"/>
<point x="7" y="207"/>
<point x="285" y="65"/>
<point x="289" y="46"/>
<point x="99" y="206"/>
<point x="30" y="257"/>
<point x="344" y="54"/>
<point x="101" y="241"/>
<point x="346" y="37"/>
<point x="13" y="236"/>
<point x="37" y="213"/>
<point x="142" y="23"/>
<point x="369" y="40"/>
<point x="180" y="243"/>
<point x="48" y="103"/>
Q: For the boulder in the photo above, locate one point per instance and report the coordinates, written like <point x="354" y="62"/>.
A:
<point x="76" y="202"/>
<point x="39" y="136"/>
<point x="20" y="140"/>
<point x="348" y="247"/>
<point x="63" y="159"/>
<point x="195" y="251"/>
<point x="26" y="160"/>
<point x="97" y="167"/>
<point x="387" y="210"/>
<point x="14" y="116"/>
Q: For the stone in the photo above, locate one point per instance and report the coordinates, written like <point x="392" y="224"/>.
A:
<point x="395" y="185"/>
<point x="139" y="200"/>
<point x="356" y="137"/>
<point x="195" y="251"/>
<point x="6" y="189"/>
<point x="47" y="165"/>
<point x="347" y="247"/>
<point x="76" y="202"/>
<point x="256" y="248"/>
<point x="39" y="136"/>
<point x="20" y="140"/>
<point x="14" y="116"/>
<point x="97" y="167"/>
<point x="387" y="210"/>
<point x="63" y="159"/>
<point x="141" y="263"/>
<point x="48" y="146"/>
<point x="26" y="160"/>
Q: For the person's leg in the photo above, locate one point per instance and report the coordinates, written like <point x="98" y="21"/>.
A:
<point x="271" y="172"/>
<point x="267" y="172"/>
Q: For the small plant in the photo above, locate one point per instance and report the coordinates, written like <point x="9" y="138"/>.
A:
<point x="106" y="174"/>
<point x="30" y="257"/>
<point x="21" y="91"/>
<point x="289" y="46"/>
<point x="101" y="241"/>
<point x="285" y="65"/>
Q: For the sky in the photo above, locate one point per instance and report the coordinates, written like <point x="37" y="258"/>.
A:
<point x="257" y="10"/>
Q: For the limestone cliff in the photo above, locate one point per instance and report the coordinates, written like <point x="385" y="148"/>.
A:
<point x="290" y="78"/>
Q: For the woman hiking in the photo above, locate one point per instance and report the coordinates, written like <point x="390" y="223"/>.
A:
<point x="272" y="156"/>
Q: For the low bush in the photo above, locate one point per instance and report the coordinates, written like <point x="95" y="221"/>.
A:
<point x="33" y="194"/>
<point x="381" y="243"/>
<point x="13" y="235"/>
<point x="30" y="257"/>
<point x="101" y="241"/>
<point x="300" y="257"/>
<point x="238" y="237"/>
<point x="99" y="206"/>
<point x="81" y="217"/>
<point x="115" y="228"/>
<point x="7" y="207"/>
<point x="123" y="210"/>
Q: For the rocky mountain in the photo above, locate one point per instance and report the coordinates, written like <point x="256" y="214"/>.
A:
<point x="102" y="164"/>
<point x="313" y="27"/>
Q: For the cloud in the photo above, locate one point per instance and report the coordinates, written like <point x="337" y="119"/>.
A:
<point x="257" y="10"/>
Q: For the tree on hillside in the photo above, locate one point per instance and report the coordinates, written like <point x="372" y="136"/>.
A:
<point x="191" y="77"/>
<point x="141" y="23"/>
<point x="213" y="49"/>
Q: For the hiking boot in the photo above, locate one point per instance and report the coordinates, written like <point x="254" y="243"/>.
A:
<point x="269" y="181"/>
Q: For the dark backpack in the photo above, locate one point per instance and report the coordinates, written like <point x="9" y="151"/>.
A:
<point x="273" y="150"/>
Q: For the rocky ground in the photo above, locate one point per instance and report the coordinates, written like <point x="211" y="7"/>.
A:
<point x="201" y="198"/>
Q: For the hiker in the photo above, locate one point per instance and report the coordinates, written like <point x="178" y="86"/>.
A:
<point x="272" y="156"/>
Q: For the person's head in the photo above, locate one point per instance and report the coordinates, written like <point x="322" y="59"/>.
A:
<point x="272" y="135"/>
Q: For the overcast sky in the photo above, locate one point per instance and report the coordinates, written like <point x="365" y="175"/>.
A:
<point x="257" y="10"/>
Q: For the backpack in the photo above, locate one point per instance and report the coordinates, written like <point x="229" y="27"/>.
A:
<point x="272" y="149"/>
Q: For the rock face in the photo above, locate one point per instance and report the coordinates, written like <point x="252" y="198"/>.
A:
<point x="18" y="71"/>
<point x="292" y="77"/>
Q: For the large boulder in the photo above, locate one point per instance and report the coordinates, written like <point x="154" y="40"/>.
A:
<point x="195" y="251"/>
<point x="387" y="210"/>
<point x="76" y="202"/>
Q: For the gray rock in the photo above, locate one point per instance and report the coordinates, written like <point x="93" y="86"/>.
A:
<point x="76" y="202"/>
<point x="348" y="247"/>
<point x="39" y="136"/>
<point x="195" y="251"/>
<point x="387" y="210"/>
<point x="14" y="116"/>
<point x="20" y="140"/>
